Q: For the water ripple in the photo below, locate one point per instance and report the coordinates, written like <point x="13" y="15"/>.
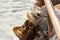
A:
<point x="12" y="12"/>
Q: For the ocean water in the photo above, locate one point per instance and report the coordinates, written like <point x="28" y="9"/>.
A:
<point x="12" y="13"/>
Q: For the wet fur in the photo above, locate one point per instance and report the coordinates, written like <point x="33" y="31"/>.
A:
<point x="29" y="33"/>
<point x="29" y="30"/>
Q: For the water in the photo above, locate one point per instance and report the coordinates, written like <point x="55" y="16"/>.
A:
<point x="12" y="12"/>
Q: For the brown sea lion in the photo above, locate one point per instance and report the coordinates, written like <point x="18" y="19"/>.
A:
<point x="28" y="32"/>
<point x="34" y="26"/>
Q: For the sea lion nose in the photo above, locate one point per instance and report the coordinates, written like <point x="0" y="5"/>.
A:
<point x="38" y="14"/>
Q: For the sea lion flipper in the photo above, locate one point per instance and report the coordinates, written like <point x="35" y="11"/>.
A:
<point x="17" y="30"/>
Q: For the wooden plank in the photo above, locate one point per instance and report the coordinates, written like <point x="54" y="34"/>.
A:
<point x="53" y="17"/>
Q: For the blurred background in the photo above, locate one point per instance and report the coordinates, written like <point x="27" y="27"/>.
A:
<point x="12" y="13"/>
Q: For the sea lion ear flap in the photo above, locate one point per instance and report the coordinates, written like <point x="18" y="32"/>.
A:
<point x="17" y="31"/>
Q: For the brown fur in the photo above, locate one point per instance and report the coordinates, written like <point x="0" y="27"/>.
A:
<point x="28" y="32"/>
